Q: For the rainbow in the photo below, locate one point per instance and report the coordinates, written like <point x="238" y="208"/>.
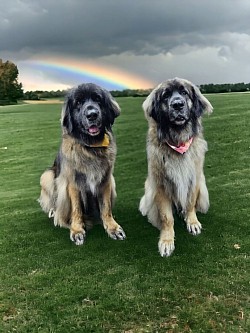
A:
<point x="89" y="71"/>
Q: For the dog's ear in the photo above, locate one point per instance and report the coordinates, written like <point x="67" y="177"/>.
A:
<point x="66" y="120"/>
<point x="201" y="103"/>
<point x="151" y="105"/>
<point x="113" y="109"/>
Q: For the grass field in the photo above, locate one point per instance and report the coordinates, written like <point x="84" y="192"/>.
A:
<point x="47" y="284"/>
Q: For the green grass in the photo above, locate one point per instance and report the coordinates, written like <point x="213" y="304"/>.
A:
<point x="47" y="284"/>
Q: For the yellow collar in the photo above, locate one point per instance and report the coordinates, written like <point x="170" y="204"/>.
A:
<point x="103" y="143"/>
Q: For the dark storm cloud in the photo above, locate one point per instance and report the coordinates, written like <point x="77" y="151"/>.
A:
<point x="203" y="41"/>
<point x="96" y="27"/>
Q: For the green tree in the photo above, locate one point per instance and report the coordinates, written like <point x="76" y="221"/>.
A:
<point x="10" y="89"/>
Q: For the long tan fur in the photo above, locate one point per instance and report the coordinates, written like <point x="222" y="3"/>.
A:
<point x="79" y="189"/>
<point x="174" y="179"/>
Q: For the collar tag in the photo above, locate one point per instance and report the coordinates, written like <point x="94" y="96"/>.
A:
<point x="183" y="147"/>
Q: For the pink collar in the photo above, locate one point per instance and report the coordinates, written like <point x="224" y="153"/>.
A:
<point x="183" y="147"/>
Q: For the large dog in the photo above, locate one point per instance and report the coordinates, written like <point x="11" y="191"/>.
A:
<point x="175" y="152"/>
<point x="80" y="185"/>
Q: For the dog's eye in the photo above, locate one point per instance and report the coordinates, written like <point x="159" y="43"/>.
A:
<point x="96" y="98"/>
<point x="78" y="105"/>
<point x="166" y="95"/>
<point x="184" y="92"/>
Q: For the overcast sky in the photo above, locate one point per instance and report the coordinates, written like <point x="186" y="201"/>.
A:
<point x="203" y="41"/>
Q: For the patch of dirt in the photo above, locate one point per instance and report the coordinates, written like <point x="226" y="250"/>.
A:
<point x="47" y="101"/>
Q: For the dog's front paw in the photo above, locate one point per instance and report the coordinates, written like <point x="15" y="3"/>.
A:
<point x="166" y="247"/>
<point x="77" y="237"/>
<point x="116" y="233"/>
<point x="194" y="226"/>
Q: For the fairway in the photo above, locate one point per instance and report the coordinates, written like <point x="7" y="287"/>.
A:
<point x="48" y="284"/>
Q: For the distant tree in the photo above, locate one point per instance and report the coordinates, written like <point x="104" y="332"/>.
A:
<point x="239" y="87"/>
<point x="10" y="89"/>
<point x="31" y="95"/>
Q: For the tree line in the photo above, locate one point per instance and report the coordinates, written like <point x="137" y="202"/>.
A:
<point x="205" y="89"/>
<point x="224" y="88"/>
<point x="11" y="91"/>
<point x="38" y="95"/>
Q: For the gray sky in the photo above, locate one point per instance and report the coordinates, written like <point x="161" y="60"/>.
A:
<point x="53" y="42"/>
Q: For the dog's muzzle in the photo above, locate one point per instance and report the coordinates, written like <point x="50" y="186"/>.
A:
<point x="93" y="120"/>
<point x="177" y="104"/>
<point x="178" y="109"/>
<point x="92" y="114"/>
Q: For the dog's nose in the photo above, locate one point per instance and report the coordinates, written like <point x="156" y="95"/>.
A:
<point x="92" y="114"/>
<point x="177" y="104"/>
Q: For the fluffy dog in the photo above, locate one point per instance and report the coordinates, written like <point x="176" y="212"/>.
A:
<point x="175" y="152"/>
<point x="80" y="186"/>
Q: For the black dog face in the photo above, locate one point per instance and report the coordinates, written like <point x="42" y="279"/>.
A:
<point x="175" y="105"/>
<point x="87" y="115"/>
<point x="88" y="112"/>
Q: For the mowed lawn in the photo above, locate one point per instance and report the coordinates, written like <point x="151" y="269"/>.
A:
<point x="47" y="284"/>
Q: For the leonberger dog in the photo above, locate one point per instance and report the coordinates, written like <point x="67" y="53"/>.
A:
<point x="79" y="189"/>
<point x="175" y="153"/>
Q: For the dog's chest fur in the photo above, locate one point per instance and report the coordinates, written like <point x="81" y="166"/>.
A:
<point x="177" y="173"/>
<point x="91" y="165"/>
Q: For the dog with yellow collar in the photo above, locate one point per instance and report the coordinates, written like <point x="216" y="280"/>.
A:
<point x="79" y="189"/>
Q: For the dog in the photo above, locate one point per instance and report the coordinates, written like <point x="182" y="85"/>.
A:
<point x="175" y="153"/>
<point x="79" y="188"/>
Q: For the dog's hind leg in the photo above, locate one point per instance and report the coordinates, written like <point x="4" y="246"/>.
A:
<point x="113" y="191"/>
<point x="77" y="232"/>
<point x="148" y="206"/>
<point x="48" y="192"/>
<point x="113" y="229"/>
